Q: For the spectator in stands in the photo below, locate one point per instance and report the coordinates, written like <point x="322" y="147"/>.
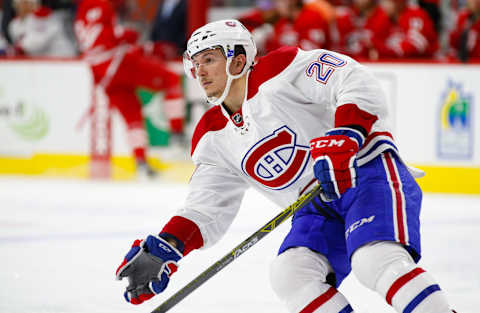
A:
<point x="119" y="65"/>
<point x="38" y="31"/>
<point x="359" y="26"/>
<point x="465" y="38"/>
<point x="169" y="28"/>
<point x="410" y="32"/>
<point x="292" y="23"/>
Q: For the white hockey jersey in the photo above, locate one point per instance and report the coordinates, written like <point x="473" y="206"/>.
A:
<point x="292" y="98"/>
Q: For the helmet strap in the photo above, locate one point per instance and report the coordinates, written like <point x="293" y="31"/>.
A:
<point x="230" y="78"/>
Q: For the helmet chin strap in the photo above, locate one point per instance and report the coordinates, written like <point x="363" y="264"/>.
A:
<point x="230" y="78"/>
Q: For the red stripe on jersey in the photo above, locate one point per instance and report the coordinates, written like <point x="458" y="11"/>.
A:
<point x="398" y="197"/>
<point x="268" y="67"/>
<point x="400" y="282"/>
<point x="186" y="231"/>
<point x="318" y="302"/>
<point x="350" y="114"/>
<point x="212" y="120"/>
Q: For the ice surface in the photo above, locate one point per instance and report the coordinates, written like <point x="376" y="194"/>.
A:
<point x="61" y="241"/>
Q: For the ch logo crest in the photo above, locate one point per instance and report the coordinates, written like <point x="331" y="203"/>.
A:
<point x="276" y="161"/>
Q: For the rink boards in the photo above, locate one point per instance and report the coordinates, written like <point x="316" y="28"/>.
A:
<point x="43" y="129"/>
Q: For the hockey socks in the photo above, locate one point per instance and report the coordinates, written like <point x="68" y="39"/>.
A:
<point x="410" y="289"/>
<point x="330" y="300"/>
<point x="386" y="267"/>
<point x="299" y="278"/>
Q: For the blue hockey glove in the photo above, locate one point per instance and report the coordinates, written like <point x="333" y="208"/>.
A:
<point x="335" y="160"/>
<point x="148" y="266"/>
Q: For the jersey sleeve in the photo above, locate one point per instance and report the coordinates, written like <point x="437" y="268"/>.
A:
<point x="213" y="201"/>
<point x="347" y="90"/>
<point x="94" y="26"/>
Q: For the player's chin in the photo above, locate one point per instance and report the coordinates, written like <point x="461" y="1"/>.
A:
<point x="214" y="94"/>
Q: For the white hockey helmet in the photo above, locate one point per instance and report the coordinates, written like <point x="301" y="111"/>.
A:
<point x="223" y="34"/>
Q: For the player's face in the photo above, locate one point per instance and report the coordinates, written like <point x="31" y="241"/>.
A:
<point x="210" y="70"/>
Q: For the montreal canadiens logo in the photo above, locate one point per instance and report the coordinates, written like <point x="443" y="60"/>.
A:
<point x="237" y="118"/>
<point x="276" y="161"/>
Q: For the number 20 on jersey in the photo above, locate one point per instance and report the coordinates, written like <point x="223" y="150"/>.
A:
<point x="324" y="67"/>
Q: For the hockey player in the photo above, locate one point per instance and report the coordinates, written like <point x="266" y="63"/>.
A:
<point x="119" y="67"/>
<point x="278" y="126"/>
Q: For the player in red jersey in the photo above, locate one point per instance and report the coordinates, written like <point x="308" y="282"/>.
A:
<point x="119" y="66"/>
<point x="358" y="28"/>
<point x="465" y="38"/>
<point x="411" y="32"/>
<point x="290" y="23"/>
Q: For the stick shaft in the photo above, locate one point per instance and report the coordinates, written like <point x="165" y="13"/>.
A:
<point x="237" y="251"/>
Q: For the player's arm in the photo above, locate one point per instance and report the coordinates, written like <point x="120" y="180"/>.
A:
<point x="212" y="203"/>
<point x="356" y="103"/>
<point x="335" y="153"/>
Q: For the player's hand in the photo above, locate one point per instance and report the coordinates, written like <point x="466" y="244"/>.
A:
<point x="148" y="266"/>
<point x="335" y="160"/>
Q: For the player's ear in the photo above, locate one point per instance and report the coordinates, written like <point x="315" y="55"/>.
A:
<point x="238" y="63"/>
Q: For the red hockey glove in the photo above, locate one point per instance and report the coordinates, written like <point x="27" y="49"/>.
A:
<point x="148" y="266"/>
<point x="335" y="160"/>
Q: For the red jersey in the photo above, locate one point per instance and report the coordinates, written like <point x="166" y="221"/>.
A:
<point x="413" y="35"/>
<point x="466" y="23"/>
<point x="253" y="19"/>
<point x="357" y="33"/>
<point x="96" y="30"/>
<point x="308" y="31"/>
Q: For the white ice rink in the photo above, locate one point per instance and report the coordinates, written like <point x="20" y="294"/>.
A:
<point x="61" y="242"/>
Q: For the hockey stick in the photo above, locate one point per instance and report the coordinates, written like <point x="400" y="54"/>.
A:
<point x="238" y="250"/>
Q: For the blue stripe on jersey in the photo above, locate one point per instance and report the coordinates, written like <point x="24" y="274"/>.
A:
<point x="419" y="298"/>
<point x="346" y="309"/>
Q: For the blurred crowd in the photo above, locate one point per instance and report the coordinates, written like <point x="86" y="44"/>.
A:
<point x="443" y="30"/>
<point x="365" y="29"/>
<point x="128" y="43"/>
<point x="47" y="28"/>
